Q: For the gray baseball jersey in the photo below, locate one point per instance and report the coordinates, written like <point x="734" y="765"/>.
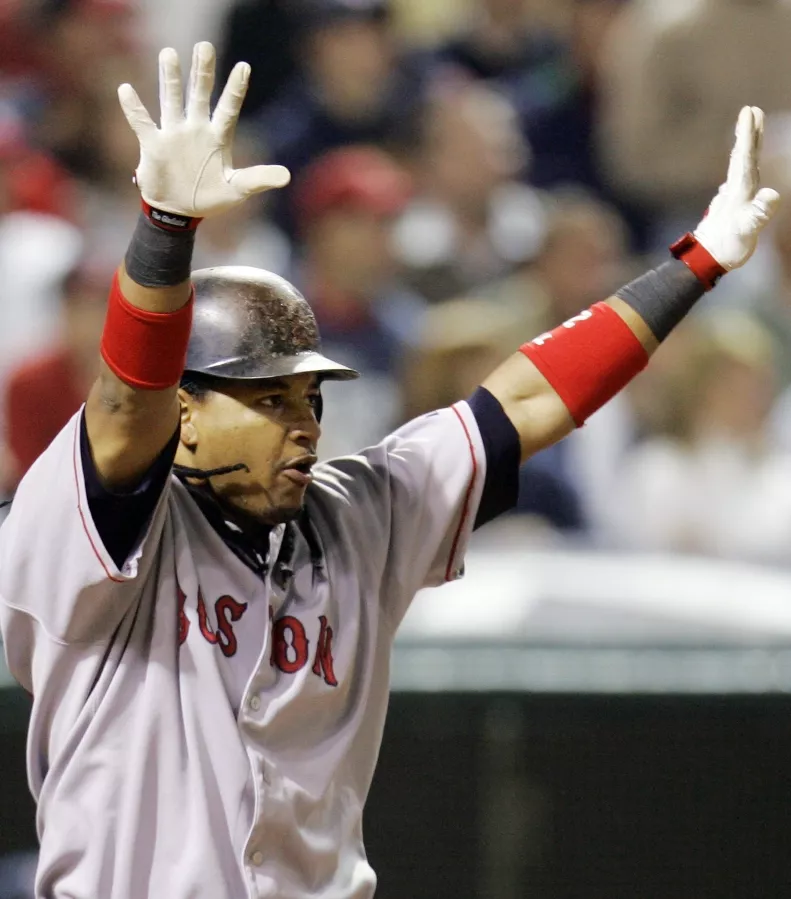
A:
<point x="200" y="730"/>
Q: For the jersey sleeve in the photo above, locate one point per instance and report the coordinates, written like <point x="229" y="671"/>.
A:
<point x="437" y="469"/>
<point x="435" y="473"/>
<point x="449" y="473"/>
<point x="58" y="581"/>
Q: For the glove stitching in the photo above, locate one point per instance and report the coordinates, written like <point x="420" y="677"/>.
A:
<point x="198" y="177"/>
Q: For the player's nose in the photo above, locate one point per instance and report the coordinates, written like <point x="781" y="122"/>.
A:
<point x="306" y="433"/>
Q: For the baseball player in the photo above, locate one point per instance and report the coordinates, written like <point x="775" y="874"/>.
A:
<point x="204" y="615"/>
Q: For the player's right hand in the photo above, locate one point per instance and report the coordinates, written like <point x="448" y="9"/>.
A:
<point x="185" y="165"/>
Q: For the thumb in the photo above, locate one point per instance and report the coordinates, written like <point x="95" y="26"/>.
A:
<point x="258" y="178"/>
<point x="764" y="205"/>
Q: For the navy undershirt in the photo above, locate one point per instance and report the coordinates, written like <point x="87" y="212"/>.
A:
<point x="503" y="455"/>
<point x="121" y="516"/>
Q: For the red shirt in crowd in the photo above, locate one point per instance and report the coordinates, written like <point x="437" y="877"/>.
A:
<point x="41" y="396"/>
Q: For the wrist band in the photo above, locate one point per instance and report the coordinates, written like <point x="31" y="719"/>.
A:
<point x="588" y="359"/>
<point x="663" y="296"/>
<point x="169" y="221"/>
<point x="700" y="262"/>
<point x="147" y="350"/>
<point x="159" y="257"/>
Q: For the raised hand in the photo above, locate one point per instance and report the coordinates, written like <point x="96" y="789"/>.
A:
<point x="742" y="207"/>
<point x="185" y="164"/>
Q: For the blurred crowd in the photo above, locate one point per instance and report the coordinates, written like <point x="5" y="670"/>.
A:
<point x="465" y="175"/>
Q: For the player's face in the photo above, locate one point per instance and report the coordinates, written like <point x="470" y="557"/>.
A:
<point x="271" y="427"/>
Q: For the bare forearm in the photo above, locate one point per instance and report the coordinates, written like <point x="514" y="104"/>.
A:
<point x="153" y="299"/>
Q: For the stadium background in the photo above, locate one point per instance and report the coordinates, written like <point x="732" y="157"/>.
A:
<point x="601" y="708"/>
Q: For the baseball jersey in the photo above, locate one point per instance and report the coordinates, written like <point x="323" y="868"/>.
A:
<point x="204" y="727"/>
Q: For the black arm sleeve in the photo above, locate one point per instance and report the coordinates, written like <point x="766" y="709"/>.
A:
<point x="120" y="517"/>
<point x="503" y="453"/>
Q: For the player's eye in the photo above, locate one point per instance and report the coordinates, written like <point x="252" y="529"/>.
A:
<point x="271" y="401"/>
<point x="313" y="399"/>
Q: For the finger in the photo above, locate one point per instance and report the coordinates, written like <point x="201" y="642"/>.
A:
<point x="760" y="120"/>
<point x="743" y="153"/>
<point x="765" y="204"/>
<point x="201" y="81"/>
<point x="171" y="101"/>
<point x="136" y="114"/>
<point x="226" y="113"/>
<point x="258" y="178"/>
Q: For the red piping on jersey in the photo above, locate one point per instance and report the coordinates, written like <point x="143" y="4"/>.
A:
<point x="82" y="516"/>
<point x="466" y="508"/>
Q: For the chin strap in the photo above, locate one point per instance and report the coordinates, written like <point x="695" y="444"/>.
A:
<point x="239" y="542"/>
<point x="184" y="471"/>
<point x="251" y="549"/>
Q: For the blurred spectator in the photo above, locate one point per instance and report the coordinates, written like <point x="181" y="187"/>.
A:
<point x="345" y="204"/>
<point x="44" y="392"/>
<point x="470" y="220"/>
<point x="263" y="33"/>
<point x="560" y="115"/>
<point x="463" y="341"/>
<point x="675" y="80"/>
<point x="109" y="201"/>
<point x="582" y="260"/>
<point x="183" y="23"/>
<point x="714" y="482"/>
<point x="499" y="41"/>
<point x="352" y="88"/>
<point x="37" y="246"/>
<point x="30" y="180"/>
<point x="86" y="48"/>
<point x="18" y="43"/>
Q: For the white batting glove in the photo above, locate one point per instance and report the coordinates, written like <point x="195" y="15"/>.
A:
<point x="728" y="234"/>
<point x="185" y="165"/>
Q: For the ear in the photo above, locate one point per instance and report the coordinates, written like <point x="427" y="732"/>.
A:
<point x="189" y="433"/>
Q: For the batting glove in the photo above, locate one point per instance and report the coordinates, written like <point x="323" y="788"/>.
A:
<point x="185" y="165"/>
<point x="728" y="234"/>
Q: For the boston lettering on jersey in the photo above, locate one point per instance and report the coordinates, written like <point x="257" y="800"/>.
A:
<point x="290" y="644"/>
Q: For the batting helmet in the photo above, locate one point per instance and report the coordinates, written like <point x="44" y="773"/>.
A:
<point x="249" y="323"/>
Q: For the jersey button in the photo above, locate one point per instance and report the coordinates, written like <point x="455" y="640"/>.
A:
<point x="255" y="705"/>
<point x="257" y="858"/>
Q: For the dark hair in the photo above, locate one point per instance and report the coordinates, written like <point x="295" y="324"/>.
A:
<point x="197" y="385"/>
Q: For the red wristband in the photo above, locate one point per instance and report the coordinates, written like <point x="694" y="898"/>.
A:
<point x="169" y="221"/>
<point x="145" y="349"/>
<point x="698" y="259"/>
<point x="588" y="359"/>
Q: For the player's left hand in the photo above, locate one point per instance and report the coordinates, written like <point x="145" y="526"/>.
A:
<point x="742" y="208"/>
<point x="185" y="164"/>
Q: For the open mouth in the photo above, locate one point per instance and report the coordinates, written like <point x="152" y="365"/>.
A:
<point x="303" y="466"/>
<point x="298" y="470"/>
